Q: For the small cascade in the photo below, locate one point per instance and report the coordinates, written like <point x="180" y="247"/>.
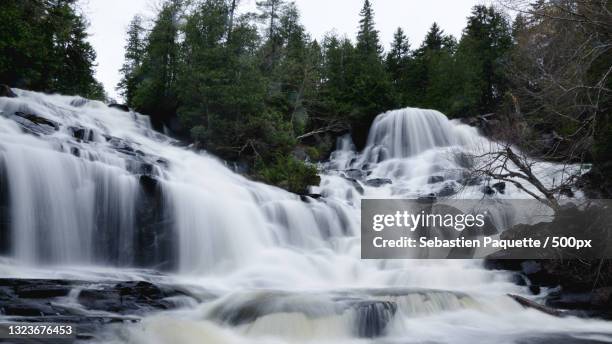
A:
<point x="411" y="131"/>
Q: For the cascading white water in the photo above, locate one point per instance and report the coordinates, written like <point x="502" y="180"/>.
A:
<point x="93" y="185"/>
<point x="408" y="132"/>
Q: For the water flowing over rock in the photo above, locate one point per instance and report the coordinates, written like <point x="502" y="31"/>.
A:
<point x="94" y="192"/>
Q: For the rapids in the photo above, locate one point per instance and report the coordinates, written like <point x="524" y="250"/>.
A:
<point x="91" y="192"/>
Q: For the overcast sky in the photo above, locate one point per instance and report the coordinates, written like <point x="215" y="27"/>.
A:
<point x="109" y="20"/>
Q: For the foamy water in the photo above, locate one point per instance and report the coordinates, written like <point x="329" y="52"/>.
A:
<point x="282" y="270"/>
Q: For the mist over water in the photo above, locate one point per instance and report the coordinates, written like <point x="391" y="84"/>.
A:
<point x="95" y="193"/>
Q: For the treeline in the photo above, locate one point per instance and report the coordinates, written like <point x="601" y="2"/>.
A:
<point x="43" y="47"/>
<point x="246" y="86"/>
<point x="258" y="89"/>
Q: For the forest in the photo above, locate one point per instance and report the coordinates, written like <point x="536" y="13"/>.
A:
<point x="257" y="89"/>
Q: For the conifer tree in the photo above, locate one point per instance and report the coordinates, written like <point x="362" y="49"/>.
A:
<point x="156" y="95"/>
<point x="134" y="53"/>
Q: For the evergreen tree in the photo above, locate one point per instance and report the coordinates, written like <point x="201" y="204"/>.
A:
<point x="270" y="13"/>
<point x="518" y="26"/>
<point x="44" y="47"/>
<point x="372" y="92"/>
<point x="482" y="54"/>
<point x="156" y="94"/>
<point x="431" y="77"/>
<point x="368" y="43"/>
<point x="398" y="63"/>
<point x="336" y="92"/>
<point x="134" y="53"/>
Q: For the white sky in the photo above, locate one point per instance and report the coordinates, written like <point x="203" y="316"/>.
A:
<point x="110" y="18"/>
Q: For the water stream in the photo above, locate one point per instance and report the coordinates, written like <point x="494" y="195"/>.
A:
<point x="91" y="192"/>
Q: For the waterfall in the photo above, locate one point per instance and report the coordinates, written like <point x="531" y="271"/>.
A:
<point x="88" y="186"/>
<point x="408" y="132"/>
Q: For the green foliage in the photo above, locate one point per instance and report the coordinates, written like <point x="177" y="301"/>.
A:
<point x="482" y="56"/>
<point x="43" y="47"/>
<point x="134" y="53"/>
<point x="248" y="95"/>
<point x="289" y="173"/>
<point x="398" y="63"/>
<point x="371" y="87"/>
<point x="156" y="93"/>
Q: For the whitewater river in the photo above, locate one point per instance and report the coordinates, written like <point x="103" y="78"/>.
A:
<point x="270" y="266"/>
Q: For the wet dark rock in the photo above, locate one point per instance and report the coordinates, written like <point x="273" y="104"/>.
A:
<point x="567" y="191"/>
<point x="464" y="160"/>
<point x="163" y="162"/>
<point x="132" y="297"/>
<point x="120" y="145"/>
<point x="447" y="191"/>
<point x="309" y="197"/>
<point x="21" y="308"/>
<point x="584" y="284"/>
<point x="569" y="300"/>
<point x="470" y="180"/>
<point x="534" y="289"/>
<point x="487" y="190"/>
<point x="75" y="151"/>
<point x="35" y="124"/>
<point x="41" y="291"/>
<point x="121" y="107"/>
<point x="30" y="297"/>
<point x="534" y="305"/>
<point x="155" y="236"/>
<point x="78" y="133"/>
<point x="435" y="179"/>
<point x="373" y="317"/>
<point x="79" y="102"/>
<point x="148" y="183"/>
<point x="378" y="182"/>
<point x="40" y="300"/>
<point x="355" y="173"/>
<point x="597" y="302"/>
<point x="500" y="187"/>
<point x="5" y="211"/>
<point x="489" y="123"/>
<point x="82" y="134"/>
<point x="6" y="91"/>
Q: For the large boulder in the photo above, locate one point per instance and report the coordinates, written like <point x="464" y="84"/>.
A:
<point x="6" y="91"/>
<point x="378" y="182"/>
<point x="35" y="124"/>
<point x="120" y="107"/>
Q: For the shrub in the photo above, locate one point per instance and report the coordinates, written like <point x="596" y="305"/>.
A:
<point x="288" y="173"/>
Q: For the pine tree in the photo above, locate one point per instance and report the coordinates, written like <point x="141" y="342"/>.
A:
<point x="371" y="88"/>
<point x="271" y="12"/>
<point x="367" y="38"/>
<point x="134" y="53"/>
<point x="397" y="63"/>
<point x="399" y="56"/>
<point x="434" y="40"/>
<point x="482" y="53"/>
<point x="44" y="47"/>
<point x="336" y="92"/>
<point x="156" y="94"/>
